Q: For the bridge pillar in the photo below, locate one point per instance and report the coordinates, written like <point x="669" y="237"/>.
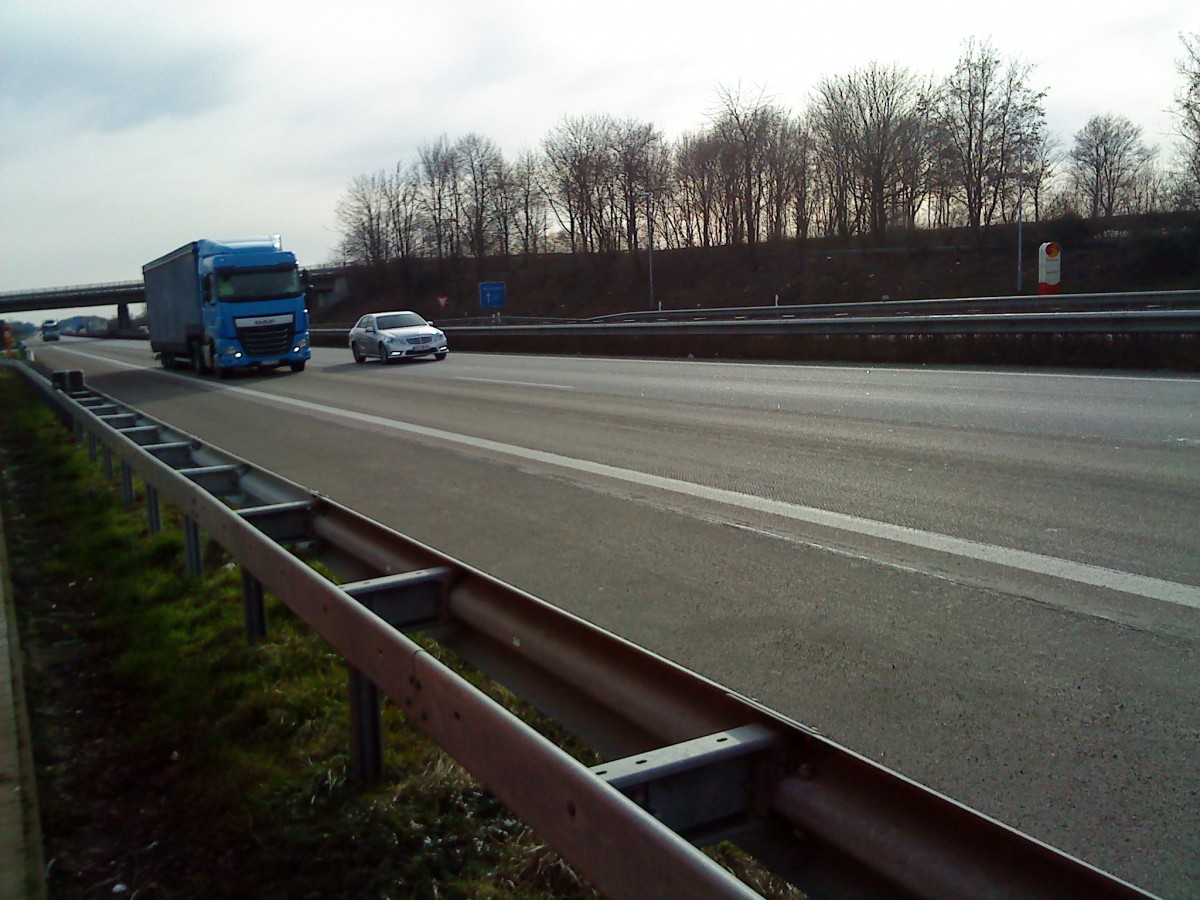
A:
<point x="123" y="317"/>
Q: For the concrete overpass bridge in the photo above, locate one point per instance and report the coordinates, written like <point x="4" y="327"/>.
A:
<point x="327" y="284"/>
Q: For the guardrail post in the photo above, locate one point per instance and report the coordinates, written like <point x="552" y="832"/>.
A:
<point x="108" y="464"/>
<point x="252" y="602"/>
<point x="153" y="514"/>
<point x="91" y="445"/>
<point x="126" y="485"/>
<point x="191" y="547"/>
<point x="366" y="733"/>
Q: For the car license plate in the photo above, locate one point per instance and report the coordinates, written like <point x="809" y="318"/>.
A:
<point x="269" y="362"/>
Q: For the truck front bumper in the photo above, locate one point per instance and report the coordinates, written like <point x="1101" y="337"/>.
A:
<point x="230" y="355"/>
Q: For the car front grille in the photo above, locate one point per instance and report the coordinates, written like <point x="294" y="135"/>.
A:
<point x="266" y="340"/>
<point x="421" y="339"/>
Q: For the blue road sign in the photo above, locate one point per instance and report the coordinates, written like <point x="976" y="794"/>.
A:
<point x="491" y="294"/>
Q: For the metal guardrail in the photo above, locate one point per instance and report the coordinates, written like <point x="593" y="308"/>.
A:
<point x="690" y="762"/>
<point x="1020" y="303"/>
<point x="1163" y="312"/>
<point x="1154" y="321"/>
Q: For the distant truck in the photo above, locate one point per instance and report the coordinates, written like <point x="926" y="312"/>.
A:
<point x="224" y="305"/>
<point x="50" y="330"/>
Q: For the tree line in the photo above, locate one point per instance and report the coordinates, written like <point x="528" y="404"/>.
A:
<point x="877" y="150"/>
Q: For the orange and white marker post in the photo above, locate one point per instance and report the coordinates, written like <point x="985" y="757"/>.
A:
<point x="1049" y="268"/>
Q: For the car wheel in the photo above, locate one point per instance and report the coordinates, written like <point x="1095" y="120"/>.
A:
<point x="439" y="356"/>
<point x="358" y="357"/>
<point x="297" y="366"/>
<point x="383" y="357"/>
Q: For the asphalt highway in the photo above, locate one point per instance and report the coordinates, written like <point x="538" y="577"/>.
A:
<point x="987" y="580"/>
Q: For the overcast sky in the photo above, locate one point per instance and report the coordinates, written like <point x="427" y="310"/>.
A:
<point x="129" y="128"/>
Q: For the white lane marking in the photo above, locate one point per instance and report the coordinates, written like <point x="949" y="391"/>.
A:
<point x="1097" y="576"/>
<point x="532" y="384"/>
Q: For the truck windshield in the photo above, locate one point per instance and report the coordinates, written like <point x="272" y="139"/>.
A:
<point x="240" y="287"/>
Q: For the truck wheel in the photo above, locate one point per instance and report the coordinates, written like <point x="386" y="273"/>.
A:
<point x="210" y="361"/>
<point x="198" y="359"/>
<point x="297" y="366"/>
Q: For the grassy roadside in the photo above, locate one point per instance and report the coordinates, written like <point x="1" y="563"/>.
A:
<point x="175" y="759"/>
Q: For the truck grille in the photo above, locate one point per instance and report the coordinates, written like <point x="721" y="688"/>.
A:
<point x="266" y="340"/>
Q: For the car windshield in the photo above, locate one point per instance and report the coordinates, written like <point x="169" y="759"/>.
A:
<point x="240" y="287"/>
<point x="398" y="320"/>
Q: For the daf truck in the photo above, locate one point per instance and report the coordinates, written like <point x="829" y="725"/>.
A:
<point x="224" y="305"/>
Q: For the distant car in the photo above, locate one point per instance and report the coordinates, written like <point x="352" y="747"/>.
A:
<point x="50" y="330"/>
<point x="396" y="335"/>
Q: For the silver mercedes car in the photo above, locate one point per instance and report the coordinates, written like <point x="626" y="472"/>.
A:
<point x="396" y="335"/>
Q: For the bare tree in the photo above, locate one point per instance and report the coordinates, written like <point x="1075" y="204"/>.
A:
<point x="874" y="118"/>
<point x="986" y="110"/>
<point x="478" y="165"/>
<point x="696" y="162"/>
<point x="745" y="124"/>
<point x="1106" y="163"/>
<point x="439" y="186"/>
<point x="804" y="193"/>
<point x="1187" y="101"/>
<point x="1039" y="167"/>
<point x="505" y="208"/>
<point x="362" y="217"/>
<point x="832" y="130"/>
<point x="785" y="175"/>
<point x="530" y="208"/>
<point x="637" y="166"/>
<point x="580" y="184"/>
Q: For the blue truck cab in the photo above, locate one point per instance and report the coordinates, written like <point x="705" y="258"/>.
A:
<point x="225" y="305"/>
